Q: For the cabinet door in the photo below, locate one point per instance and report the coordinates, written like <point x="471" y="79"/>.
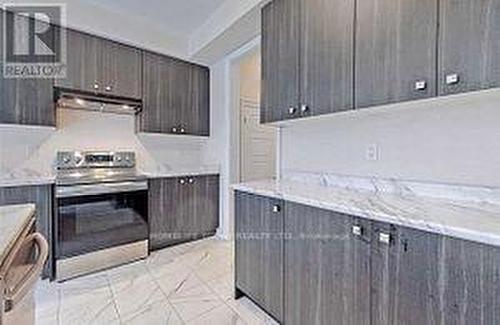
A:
<point x="470" y="282"/>
<point x="196" y="114"/>
<point x="166" y="210"/>
<point x="280" y="60"/>
<point x="42" y="197"/>
<point x="259" y="251"/>
<point x="405" y="276"/>
<point x="176" y="97"/>
<point x="326" y="56"/>
<point x="121" y="69"/>
<point x="24" y="101"/>
<point x="189" y="96"/>
<point x="83" y="72"/>
<point x="206" y="192"/>
<point x="327" y="268"/>
<point x="395" y="51"/>
<point x="158" y="115"/>
<point x="469" y="45"/>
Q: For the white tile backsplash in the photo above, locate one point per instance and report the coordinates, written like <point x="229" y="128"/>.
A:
<point x="34" y="148"/>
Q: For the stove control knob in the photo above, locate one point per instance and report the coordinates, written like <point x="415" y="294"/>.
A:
<point x="66" y="160"/>
<point x="78" y="158"/>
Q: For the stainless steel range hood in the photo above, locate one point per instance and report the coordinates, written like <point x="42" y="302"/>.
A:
<point x="96" y="103"/>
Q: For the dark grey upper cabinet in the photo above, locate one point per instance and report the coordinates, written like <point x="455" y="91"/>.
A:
<point x="280" y="60"/>
<point x="395" y="51"/>
<point x="469" y="52"/>
<point x="326" y="56"/>
<point x="327" y="268"/>
<point x="307" y="58"/>
<point x="24" y="101"/>
<point x="175" y="97"/>
<point x="102" y="66"/>
<point x="83" y="71"/>
<point x="158" y="116"/>
<point x="259" y="251"/>
<point x="182" y="209"/>
<point x="404" y="276"/>
<point x="121" y="69"/>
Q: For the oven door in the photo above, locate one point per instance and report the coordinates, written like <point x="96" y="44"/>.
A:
<point x="95" y="217"/>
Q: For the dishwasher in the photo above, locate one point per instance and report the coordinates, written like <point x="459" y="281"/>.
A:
<point x="19" y="274"/>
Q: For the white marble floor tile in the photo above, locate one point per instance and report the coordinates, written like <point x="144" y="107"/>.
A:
<point x="223" y="286"/>
<point x="250" y="313"/>
<point x="90" y="308"/>
<point x="87" y="300"/>
<point x="159" y="312"/>
<point x="222" y="315"/>
<point x="134" y="289"/>
<point x="191" y="283"/>
<point x="191" y="303"/>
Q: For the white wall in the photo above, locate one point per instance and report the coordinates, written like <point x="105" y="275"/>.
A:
<point x="218" y="149"/>
<point x="452" y="140"/>
<point x="34" y="149"/>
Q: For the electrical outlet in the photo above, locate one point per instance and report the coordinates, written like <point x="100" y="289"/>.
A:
<point x="372" y="152"/>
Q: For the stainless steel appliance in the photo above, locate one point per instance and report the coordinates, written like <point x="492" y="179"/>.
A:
<point x="19" y="274"/>
<point x="67" y="99"/>
<point x="101" y="218"/>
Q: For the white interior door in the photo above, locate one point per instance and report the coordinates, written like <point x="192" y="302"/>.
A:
<point x="257" y="143"/>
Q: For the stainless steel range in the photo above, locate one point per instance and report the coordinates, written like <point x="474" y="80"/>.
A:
<point x="102" y="208"/>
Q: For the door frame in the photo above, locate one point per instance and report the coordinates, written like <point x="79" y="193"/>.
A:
<point x="234" y="116"/>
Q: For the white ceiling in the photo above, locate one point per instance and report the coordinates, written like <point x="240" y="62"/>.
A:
<point x="181" y="17"/>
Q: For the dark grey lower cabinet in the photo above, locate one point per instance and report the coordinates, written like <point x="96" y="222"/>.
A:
<point x="425" y="278"/>
<point x="259" y="251"/>
<point x="470" y="282"/>
<point x="327" y="268"/>
<point x="305" y="265"/>
<point x="42" y="197"/>
<point x="404" y="276"/>
<point x="182" y="209"/>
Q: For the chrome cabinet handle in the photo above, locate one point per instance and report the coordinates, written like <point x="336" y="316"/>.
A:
<point x="276" y="209"/>
<point x="420" y="85"/>
<point x="96" y="86"/>
<point x="174" y="130"/>
<point x="357" y="230"/>
<point x="292" y="110"/>
<point x="183" y="130"/>
<point x="452" y="79"/>
<point x="384" y="238"/>
<point x="108" y="88"/>
<point x="191" y="181"/>
<point x="304" y="109"/>
<point x="182" y="181"/>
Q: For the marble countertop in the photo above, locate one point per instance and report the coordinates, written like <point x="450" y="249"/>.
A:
<point x="25" y="177"/>
<point x="176" y="171"/>
<point x="471" y="220"/>
<point x="13" y="220"/>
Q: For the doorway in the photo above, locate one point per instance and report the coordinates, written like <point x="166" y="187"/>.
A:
<point x="257" y="142"/>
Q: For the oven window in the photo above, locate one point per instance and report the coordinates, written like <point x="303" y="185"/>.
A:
<point x="90" y="223"/>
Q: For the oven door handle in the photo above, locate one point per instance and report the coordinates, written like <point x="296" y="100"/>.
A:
<point x="101" y="188"/>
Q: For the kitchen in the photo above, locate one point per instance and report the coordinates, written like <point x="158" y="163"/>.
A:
<point x="255" y="162"/>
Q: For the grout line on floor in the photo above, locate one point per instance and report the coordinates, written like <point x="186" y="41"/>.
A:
<point x="165" y="296"/>
<point x="113" y="297"/>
